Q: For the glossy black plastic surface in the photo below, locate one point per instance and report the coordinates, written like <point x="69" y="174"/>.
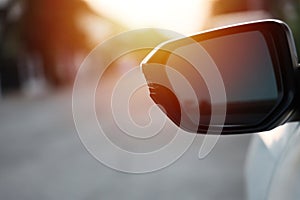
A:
<point x="281" y="48"/>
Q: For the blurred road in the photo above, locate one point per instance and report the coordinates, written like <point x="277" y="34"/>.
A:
<point x="42" y="158"/>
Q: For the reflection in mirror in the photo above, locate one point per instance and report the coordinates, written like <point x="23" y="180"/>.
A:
<point x="246" y="66"/>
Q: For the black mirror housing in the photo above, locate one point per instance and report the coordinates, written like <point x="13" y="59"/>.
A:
<point x="259" y="67"/>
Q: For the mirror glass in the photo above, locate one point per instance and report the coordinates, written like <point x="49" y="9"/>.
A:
<point x="247" y="69"/>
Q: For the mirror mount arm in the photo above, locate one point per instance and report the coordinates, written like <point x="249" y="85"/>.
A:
<point x="296" y="115"/>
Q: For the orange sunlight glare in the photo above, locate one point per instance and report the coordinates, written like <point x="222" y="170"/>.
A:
<point x="183" y="16"/>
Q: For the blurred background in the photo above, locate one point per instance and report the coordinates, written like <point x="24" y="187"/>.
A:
<point x="42" y="45"/>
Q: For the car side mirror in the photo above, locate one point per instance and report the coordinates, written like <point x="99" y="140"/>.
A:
<point x="259" y="70"/>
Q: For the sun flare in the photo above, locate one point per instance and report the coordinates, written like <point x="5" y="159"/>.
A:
<point x="182" y="16"/>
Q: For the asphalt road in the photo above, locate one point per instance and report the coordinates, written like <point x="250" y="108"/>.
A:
<point x="42" y="158"/>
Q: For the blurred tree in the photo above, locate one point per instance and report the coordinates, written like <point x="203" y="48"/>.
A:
<point x="45" y="37"/>
<point x="10" y="46"/>
<point x="50" y="28"/>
